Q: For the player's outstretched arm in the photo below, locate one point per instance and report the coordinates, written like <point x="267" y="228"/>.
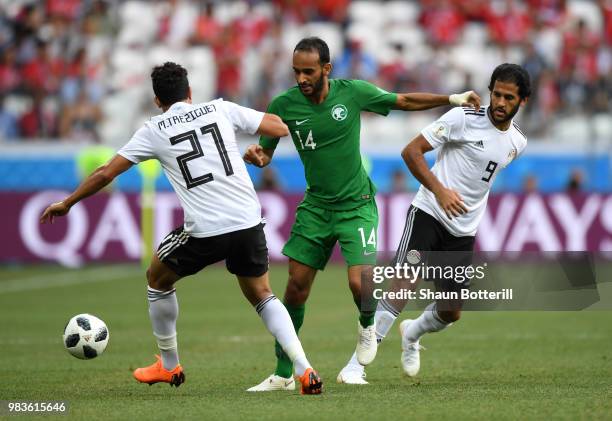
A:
<point x="414" y="157"/>
<point x="92" y="184"/>
<point x="272" y="126"/>
<point x="424" y="101"/>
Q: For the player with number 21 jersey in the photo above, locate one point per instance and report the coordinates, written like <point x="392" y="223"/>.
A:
<point x="204" y="156"/>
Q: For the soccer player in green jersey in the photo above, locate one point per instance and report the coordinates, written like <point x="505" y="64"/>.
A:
<point x="324" y="119"/>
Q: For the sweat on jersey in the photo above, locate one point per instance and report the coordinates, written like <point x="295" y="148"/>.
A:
<point x="471" y="153"/>
<point x="327" y="138"/>
<point x="196" y="147"/>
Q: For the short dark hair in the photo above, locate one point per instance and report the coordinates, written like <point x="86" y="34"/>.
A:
<point x="314" y="44"/>
<point x="514" y="73"/>
<point x="170" y="83"/>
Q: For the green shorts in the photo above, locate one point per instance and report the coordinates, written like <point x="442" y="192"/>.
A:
<point x="316" y="231"/>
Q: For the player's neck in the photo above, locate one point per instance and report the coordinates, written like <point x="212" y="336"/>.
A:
<point x="499" y="126"/>
<point x="317" y="99"/>
<point x="167" y="107"/>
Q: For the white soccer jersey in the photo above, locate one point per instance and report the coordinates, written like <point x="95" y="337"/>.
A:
<point x="196" y="146"/>
<point x="472" y="151"/>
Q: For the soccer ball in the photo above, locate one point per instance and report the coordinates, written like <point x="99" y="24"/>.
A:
<point x="85" y="336"/>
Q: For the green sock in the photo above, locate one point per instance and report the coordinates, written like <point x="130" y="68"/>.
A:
<point x="366" y="318"/>
<point x="284" y="366"/>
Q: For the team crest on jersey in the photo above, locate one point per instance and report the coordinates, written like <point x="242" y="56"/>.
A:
<point x="339" y="112"/>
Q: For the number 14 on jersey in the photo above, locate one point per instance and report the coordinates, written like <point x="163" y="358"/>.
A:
<point x="371" y="239"/>
<point x="309" y="140"/>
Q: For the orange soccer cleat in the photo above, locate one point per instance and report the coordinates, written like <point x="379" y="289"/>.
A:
<point x="156" y="373"/>
<point x="311" y="382"/>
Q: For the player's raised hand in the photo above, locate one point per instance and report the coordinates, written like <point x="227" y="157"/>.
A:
<point x="450" y="202"/>
<point x="55" y="209"/>
<point x="254" y="155"/>
<point x="466" y="99"/>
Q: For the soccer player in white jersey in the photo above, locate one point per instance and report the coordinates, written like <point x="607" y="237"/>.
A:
<point x="196" y="146"/>
<point x="473" y="146"/>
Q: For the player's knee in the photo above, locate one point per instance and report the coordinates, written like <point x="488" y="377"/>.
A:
<point x="355" y="282"/>
<point x="355" y="288"/>
<point x="296" y="292"/>
<point x="159" y="283"/>
<point x="154" y="282"/>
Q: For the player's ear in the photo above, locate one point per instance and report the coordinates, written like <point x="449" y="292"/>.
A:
<point x="189" y="93"/>
<point x="327" y="68"/>
<point x="157" y="102"/>
<point x="524" y="101"/>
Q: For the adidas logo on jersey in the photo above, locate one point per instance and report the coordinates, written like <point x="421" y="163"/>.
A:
<point x="480" y="144"/>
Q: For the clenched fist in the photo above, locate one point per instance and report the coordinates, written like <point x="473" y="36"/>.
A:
<point x="255" y="155"/>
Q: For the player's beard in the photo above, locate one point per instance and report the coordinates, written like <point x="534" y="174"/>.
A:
<point x="317" y="87"/>
<point x="508" y="116"/>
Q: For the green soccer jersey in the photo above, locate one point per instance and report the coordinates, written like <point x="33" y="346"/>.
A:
<point x="326" y="136"/>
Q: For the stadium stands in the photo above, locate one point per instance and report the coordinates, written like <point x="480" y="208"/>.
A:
<point x="98" y="54"/>
<point x="78" y="71"/>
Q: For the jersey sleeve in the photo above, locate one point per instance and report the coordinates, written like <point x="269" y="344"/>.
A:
<point x="448" y="128"/>
<point x="271" y="142"/>
<point x="139" y="148"/>
<point x="246" y="120"/>
<point x="372" y="98"/>
<point x="521" y="147"/>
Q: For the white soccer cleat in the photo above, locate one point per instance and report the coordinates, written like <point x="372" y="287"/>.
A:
<point x="366" y="344"/>
<point x="272" y="383"/>
<point x="411" y="359"/>
<point x="352" y="375"/>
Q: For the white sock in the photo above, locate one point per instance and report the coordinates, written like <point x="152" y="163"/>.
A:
<point x="163" y="311"/>
<point x="278" y="322"/>
<point x="384" y="317"/>
<point x="429" y="321"/>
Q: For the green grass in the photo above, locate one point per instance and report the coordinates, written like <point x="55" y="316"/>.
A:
<point x="502" y="365"/>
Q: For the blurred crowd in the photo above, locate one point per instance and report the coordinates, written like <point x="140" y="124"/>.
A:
<point x="79" y="69"/>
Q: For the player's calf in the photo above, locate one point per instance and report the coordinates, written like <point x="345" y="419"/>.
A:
<point x="301" y="278"/>
<point x="449" y="316"/>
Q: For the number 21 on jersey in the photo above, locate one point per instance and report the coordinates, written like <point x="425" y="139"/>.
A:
<point x="309" y="140"/>
<point x="198" y="152"/>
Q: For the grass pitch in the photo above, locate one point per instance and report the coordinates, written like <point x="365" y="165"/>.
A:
<point x="502" y="365"/>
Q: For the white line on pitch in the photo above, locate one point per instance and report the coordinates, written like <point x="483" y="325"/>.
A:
<point x="69" y="277"/>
